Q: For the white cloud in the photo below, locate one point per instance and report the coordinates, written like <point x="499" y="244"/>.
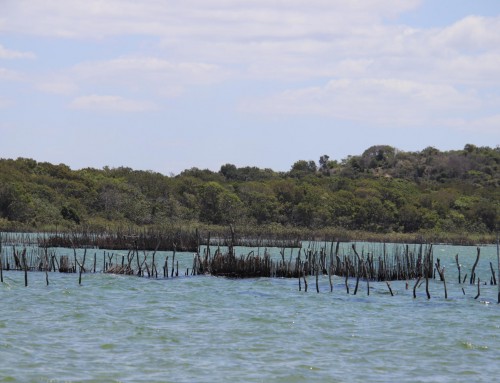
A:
<point x="204" y="40"/>
<point x="149" y="76"/>
<point x="152" y="76"/>
<point x="105" y="103"/>
<point x="472" y="34"/>
<point x="224" y="18"/>
<point x="368" y="70"/>
<point x="57" y="85"/>
<point x="10" y="54"/>
<point x="384" y="101"/>
<point x="486" y="124"/>
<point x="150" y="69"/>
<point x="9" y="75"/>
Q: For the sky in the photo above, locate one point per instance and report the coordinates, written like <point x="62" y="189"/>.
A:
<point x="167" y="85"/>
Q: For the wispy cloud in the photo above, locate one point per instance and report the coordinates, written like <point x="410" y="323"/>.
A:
<point x="193" y="18"/>
<point x="331" y="58"/>
<point x="486" y="124"/>
<point x="146" y="70"/>
<point x="106" y="103"/>
<point x="10" y="75"/>
<point x="378" y="101"/>
<point x="12" y="54"/>
<point x="62" y="85"/>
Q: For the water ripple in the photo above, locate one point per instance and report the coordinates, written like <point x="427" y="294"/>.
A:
<point x="129" y="329"/>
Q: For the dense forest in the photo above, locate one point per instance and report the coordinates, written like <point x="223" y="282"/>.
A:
<point x="383" y="190"/>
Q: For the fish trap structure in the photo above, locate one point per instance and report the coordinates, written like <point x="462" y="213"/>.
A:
<point x="402" y="262"/>
<point x="181" y="240"/>
<point x="400" y="265"/>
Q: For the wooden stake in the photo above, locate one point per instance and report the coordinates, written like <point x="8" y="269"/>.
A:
<point x="445" y="290"/>
<point x="498" y="259"/>
<point x="415" y="287"/>
<point x="316" y="272"/>
<point x="330" y="277"/>
<point x="25" y="267"/>
<point x="473" y="274"/>
<point x="173" y="263"/>
<point x="493" y="277"/>
<point x="389" y="286"/>
<point x="82" y="266"/>
<point x="1" y="266"/>
<point x="46" y="267"/>
<point x="300" y="276"/>
<point x="347" y="276"/>
<point x="478" y="288"/>
<point x="458" y="267"/>
<point x="305" y="280"/>
<point x="427" y="287"/>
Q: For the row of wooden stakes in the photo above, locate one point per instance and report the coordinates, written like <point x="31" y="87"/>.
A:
<point x="402" y="264"/>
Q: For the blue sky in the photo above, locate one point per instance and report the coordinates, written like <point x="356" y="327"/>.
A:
<point x="168" y="85"/>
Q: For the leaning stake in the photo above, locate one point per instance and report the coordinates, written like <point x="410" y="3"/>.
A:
<point x="1" y="266"/>
<point x="46" y="266"/>
<point x="473" y="272"/>
<point x="498" y="259"/>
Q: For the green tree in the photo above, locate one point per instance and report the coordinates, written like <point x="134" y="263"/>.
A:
<point x="218" y="205"/>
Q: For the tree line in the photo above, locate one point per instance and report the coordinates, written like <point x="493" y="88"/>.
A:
<point x="383" y="190"/>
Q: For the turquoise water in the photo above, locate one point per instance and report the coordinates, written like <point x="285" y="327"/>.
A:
<point x="206" y="329"/>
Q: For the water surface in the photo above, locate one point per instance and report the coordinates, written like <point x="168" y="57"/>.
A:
<point x="206" y="329"/>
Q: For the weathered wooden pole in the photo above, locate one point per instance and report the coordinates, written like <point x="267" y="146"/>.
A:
<point x="173" y="263"/>
<point x="445" y="290"/>
<point x="347" y="276"/>
<point x="231" y="245"/>
<point x="358" y="271"/>
<point x="330" y="278"/>
<point x="493" y="277"/>
<point x="427" y="286"/>
<point x="440" y="271"/>
<point x="25" y="267"/>
<point x="473" y="272"/>
<point x="316" y="272"/>
<point x="367" y="278"/>
<point x="82" y="266"/>
<point x="300" y="276"/>
<point x="197" y="241"/>
<point x="208" y="246"/>
<point x="1" y="266"/>
<point x="415" y="287"/>
<point x="304" y="275"/>
<point x="389" y="286"/>
<point x="498" y="260"/>
<point x="46" y="266"/>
